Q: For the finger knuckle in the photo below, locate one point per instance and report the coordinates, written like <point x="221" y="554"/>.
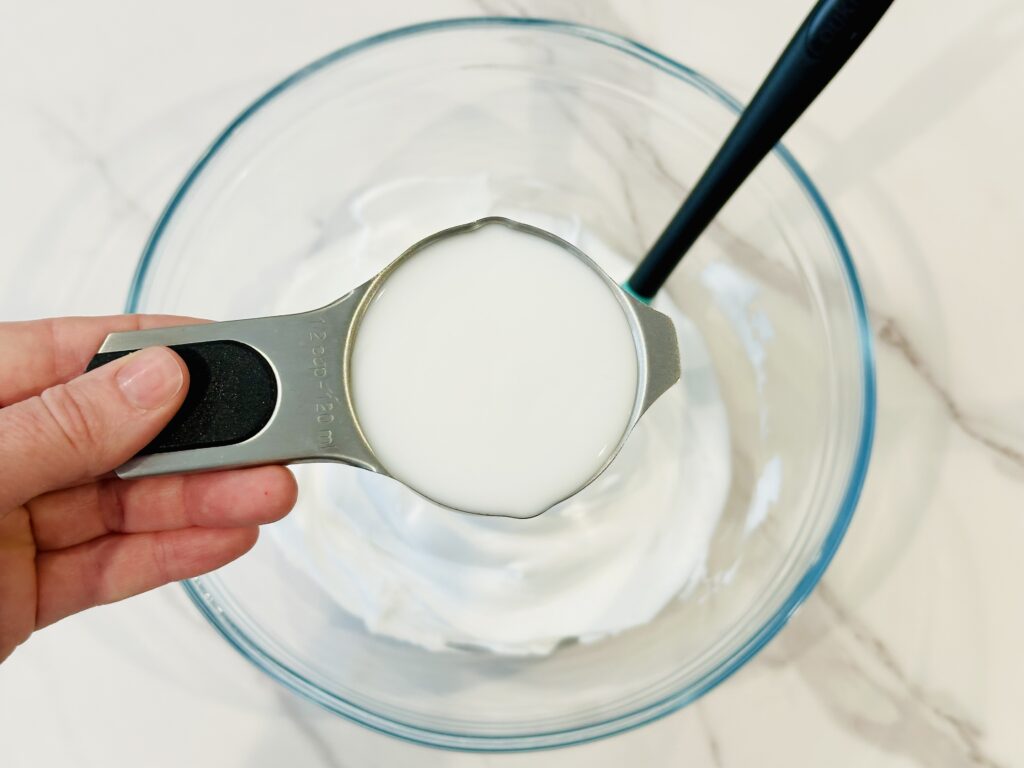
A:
<point x="163" y="558"/>
<point x="72" y="419"/>
<point x="99" y="577"/>
<point x="112" y="504"/>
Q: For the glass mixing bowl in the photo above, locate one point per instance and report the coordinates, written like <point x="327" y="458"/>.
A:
<point x="554" y="120"/>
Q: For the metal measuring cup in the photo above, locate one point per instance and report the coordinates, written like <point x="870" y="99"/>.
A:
<point x="276" y="390"/>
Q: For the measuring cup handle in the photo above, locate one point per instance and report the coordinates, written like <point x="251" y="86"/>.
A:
<point x="231" y="396"/>
<point x="267" y="390"/>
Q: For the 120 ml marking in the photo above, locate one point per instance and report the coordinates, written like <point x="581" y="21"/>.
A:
<point x="323" y="405"/>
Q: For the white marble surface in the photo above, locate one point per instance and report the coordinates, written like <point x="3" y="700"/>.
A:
<point x="909" y="652"/>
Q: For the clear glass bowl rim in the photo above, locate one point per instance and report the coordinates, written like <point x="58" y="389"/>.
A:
<point x="649" y="712"/>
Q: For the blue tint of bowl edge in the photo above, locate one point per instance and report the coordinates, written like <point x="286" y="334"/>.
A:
<point x="669" y="704"/>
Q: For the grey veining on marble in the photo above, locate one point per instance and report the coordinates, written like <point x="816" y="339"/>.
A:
<point x="888" y="332"/>
<point x="909" y="652"/>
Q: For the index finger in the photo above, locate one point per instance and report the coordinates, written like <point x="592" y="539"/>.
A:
<point x="37" y="354"/>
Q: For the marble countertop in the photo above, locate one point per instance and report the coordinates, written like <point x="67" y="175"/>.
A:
<point x="908" y="654"/>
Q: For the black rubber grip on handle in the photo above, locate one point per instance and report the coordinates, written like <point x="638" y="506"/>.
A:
<point x="231" y="396"/>
<point x="835" y="28"/>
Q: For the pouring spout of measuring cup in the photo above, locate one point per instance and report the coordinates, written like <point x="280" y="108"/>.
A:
<point x="661" y="346"/>
<point x="277" y="390"/>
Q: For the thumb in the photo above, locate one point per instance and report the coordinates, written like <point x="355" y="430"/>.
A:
<point x="76" y="431"/>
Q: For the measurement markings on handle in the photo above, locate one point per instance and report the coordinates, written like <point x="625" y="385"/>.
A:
<point x="323" y="403"/>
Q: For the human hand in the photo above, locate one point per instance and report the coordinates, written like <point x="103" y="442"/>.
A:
<point x="71" y="535"/>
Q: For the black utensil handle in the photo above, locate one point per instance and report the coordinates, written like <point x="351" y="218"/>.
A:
<point x="231" y="396"/>
<point x="825" y="41"/>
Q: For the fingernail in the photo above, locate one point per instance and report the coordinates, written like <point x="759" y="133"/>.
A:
<point x="150" y="378"/>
